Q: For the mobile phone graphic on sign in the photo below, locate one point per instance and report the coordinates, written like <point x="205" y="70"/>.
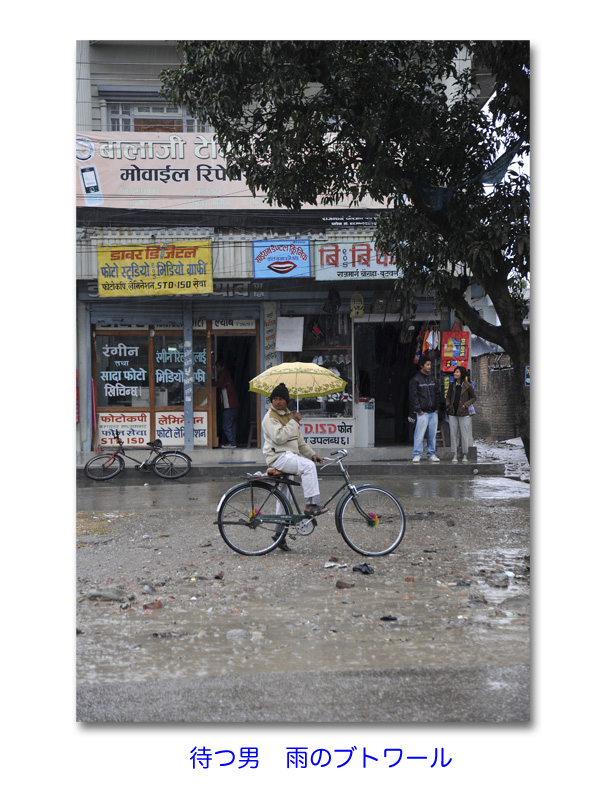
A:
<point x="91" y="186"/>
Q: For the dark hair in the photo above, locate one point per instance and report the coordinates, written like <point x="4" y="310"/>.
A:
<point x="423" y="360"/>
<point x="463" y="373"/>
<point x="281" y="391"/>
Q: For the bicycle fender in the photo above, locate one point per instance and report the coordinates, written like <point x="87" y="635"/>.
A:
<point x="338" y="508"/>
<point x="262" y="484"/>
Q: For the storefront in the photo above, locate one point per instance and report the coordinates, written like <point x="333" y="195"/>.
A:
<point x="163" y="293"/>
<point x="138" y="360"/>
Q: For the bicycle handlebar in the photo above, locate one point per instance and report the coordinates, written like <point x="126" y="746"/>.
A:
<point x="340" y="455"/>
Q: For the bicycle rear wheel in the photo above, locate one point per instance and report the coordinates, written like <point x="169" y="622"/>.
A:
<point x="373" y="522"/>
<point x="172" y="465"/>
<point x="104" y="467"/>
<point x="244" y="520"/>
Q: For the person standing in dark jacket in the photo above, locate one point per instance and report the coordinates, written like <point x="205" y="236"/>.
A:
<point x="424" y="399"/>
<point x="229" y="403"/>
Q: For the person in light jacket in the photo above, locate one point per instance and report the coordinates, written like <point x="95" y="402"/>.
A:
<point x="460" y="396"/>
<point x="286" y="451"/>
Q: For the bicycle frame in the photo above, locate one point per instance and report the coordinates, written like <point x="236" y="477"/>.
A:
<point x="276" y="483"/>
<point x="148" y="461"/>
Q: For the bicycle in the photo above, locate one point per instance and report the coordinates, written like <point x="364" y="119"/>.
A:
<point x="166" y="464"/>
<point x="251" y="520"/>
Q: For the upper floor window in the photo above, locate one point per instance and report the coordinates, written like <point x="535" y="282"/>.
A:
<point x="152" y="116"/>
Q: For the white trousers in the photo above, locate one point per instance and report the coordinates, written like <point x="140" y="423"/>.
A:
<point x="293" y="464"/>
<point x="464" y="425"/>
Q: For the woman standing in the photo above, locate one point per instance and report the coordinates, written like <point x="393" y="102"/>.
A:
<point x="460" y="396"/>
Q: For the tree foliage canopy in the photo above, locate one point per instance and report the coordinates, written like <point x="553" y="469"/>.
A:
<point x="335" y="122"/>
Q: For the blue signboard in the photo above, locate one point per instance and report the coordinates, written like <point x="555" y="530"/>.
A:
<point x="282" y="258"/>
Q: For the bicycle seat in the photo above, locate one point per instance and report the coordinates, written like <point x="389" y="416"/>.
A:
<point x="157" y="443"/>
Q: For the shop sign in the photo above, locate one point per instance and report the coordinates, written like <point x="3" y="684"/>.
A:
<point x="341" y="261"/>
<point x="270" y="332"/>
<point x="282" y="258"/>
<point x="455" y="349"/>
<point x="151" y="169"/>
<point x="142" y="270"/>
<point x="170" y="428"/>
<point x="133" y="427"/>
<point x="233" y="325"/>
<point x="323" y="433"/>
<point x="156" y="169"/>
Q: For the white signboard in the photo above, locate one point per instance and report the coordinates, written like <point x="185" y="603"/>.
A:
<point x="133" y="427"/>
<point x="356" y="261"/>
<point x="170" y="428"/>
<point x="328" y="433"/>
<point x="289" y="334"/>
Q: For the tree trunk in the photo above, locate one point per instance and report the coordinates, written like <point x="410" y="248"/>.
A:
<point x="520" y="359"/>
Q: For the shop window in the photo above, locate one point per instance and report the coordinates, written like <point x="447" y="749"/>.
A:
<point x="169" y="366"/>
<point x="122" y="370"/>
<point x="327" y="341"/>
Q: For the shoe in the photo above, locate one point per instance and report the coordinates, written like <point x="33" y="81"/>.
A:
<point x="283" y="545"/>
<point x="465" y="460"/>
<point x="229" y="446"/>
<point x="416" y="459"/>
<point x="432" y="458"/>
<point x="315" y="511"/>
<point x="454" y="460"/>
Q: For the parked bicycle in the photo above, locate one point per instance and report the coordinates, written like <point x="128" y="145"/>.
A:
<point x="170" y="464"/>
<point x="254" y="516"/>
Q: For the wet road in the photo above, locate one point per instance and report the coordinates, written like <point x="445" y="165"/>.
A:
<point x="439" y="632"/>
<point x="134" y="491"/>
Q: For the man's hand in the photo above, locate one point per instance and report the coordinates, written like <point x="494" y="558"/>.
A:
<point x="317" y="459"/>
<point x="297" y="416"/>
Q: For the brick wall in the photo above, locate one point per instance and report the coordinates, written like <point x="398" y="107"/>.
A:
<point x="495" y="417"/>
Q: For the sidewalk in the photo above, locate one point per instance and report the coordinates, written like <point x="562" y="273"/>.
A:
<point x="362" y="461"/>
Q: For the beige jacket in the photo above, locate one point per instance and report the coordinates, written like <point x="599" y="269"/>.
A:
<point x="281" y="433"/>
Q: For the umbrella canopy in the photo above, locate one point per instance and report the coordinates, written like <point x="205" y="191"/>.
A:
<point x="302" y="380"/>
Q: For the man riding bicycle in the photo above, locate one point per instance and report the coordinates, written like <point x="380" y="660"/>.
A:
<point x="286" y="451"/>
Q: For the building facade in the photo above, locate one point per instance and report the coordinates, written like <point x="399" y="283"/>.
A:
<point x="178" y="267"/>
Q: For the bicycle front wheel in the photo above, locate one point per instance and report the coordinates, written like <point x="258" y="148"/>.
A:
<point x="171" y="465"/>
<point x="372" y="522"/>
<point x="248" y="518"/>
<point x="104" y="467"/>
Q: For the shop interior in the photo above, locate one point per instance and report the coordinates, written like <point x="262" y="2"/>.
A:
<point x="238" y="354"/>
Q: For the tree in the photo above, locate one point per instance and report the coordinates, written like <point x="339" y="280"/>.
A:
<point x="401" y="122"/>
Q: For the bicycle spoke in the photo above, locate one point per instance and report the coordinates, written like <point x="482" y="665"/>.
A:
<point x="171" y="466"/>
<point x="373" y="523"/>
<point x="103" y="467"/>
<point x="241" y="519"/>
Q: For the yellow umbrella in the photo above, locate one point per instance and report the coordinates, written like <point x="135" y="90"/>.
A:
<point x="302" y="380"/>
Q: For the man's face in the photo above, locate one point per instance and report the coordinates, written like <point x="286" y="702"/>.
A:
<point x="426" y="368"/>
<point x="279" y="403"/>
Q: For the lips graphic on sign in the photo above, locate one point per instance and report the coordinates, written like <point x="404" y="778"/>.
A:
<point x="282" y="266"/>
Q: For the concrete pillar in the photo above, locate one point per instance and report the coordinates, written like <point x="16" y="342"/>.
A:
<point x="188" y="378"/>
<point x="83" y="88"/>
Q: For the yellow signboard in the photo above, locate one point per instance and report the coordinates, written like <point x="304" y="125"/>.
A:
<point x="141" y="270"/>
